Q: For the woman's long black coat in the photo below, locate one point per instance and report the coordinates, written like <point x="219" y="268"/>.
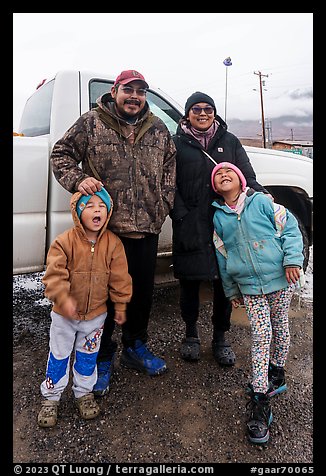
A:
<point x="192" y="215"/>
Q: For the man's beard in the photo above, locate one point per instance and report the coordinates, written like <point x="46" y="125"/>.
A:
<point x="127" y="115"/>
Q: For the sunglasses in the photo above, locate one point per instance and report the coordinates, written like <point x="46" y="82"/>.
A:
<point x="129" y="90"/>
<point x="207" y="110"/>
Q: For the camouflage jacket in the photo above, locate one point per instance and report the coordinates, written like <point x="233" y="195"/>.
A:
<point x="139" y="175"/>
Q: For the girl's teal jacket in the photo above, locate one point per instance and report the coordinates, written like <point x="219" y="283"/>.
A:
<point x="256" y="253"/>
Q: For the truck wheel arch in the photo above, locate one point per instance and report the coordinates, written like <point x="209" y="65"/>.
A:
<point x="298" y="202"/>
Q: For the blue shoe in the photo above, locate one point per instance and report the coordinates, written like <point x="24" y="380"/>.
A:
<point x="140" y="358"/>
<point x="104" y="374"/>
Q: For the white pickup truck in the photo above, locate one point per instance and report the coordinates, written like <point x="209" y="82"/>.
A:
<point x="41" y="205"/>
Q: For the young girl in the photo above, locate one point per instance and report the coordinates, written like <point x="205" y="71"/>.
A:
<point x="259" y="263"/>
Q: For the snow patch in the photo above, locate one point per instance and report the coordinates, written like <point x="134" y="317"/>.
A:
<point x="43" y="302"/>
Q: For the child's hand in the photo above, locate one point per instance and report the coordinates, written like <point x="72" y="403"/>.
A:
<point x="237" y="302"/>
<point x="292" y="274"/>
<point x="120" y="317"/>
<point x="69" y="308"/>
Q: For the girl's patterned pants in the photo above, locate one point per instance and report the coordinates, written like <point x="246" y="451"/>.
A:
<point x="269" y="319"/>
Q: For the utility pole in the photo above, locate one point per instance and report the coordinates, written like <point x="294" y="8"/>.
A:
<point x="262" y="105"/>
<point x="269" y="139"/>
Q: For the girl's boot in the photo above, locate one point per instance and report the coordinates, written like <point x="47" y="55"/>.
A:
<point x="276" y="380"/>
<point x="259" y="418"/>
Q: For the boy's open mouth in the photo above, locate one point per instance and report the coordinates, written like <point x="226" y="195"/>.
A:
<point x="96" y="219"/>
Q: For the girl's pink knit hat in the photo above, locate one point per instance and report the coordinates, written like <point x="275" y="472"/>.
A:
<point x="228" y="165"/>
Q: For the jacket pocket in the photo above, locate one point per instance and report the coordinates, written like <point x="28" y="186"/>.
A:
<point x="90" y="291"/>
<point x="99" y="290"/>
<point x="79" y="286"/>
<point x="269" y="257"/>
<point x="239" y="264"/>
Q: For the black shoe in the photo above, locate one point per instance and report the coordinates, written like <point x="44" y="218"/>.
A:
<point x="259" y="419"/>
<point x="276" y="379"/>
<point x="222" y="351"/>
<point x="190" y="348"/>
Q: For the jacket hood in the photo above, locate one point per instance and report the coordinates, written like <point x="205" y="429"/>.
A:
<point x="107" y="105"/>
<point x="222" y="123"/>
<point x="78" y="225"/>
<point x="107" y="113"/>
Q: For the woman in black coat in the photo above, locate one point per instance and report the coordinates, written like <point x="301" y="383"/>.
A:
<point x="194" y="260"/>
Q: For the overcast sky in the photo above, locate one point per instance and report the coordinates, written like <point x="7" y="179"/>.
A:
<point x="177" y="52"/>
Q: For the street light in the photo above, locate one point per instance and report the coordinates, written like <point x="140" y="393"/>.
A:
<point x="227" y="62"/>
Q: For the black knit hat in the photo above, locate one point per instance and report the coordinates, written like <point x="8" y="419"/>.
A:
<point x="196" y="98"/>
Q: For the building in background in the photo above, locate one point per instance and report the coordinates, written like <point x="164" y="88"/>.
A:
<point x="296" y="147"/>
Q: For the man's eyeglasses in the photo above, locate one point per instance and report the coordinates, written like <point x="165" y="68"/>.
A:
<point x="130" y="90"/>
<point x="207" y="109"/>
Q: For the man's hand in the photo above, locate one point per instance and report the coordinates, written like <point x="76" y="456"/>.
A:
<point x="120" y="317"/>
<point x="89" y="186"/>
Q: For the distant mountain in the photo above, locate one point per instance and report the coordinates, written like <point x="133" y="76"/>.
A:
<point x="281" y="128"/>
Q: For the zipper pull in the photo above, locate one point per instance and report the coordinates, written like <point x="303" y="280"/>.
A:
<point x="239" y="217"/>
<point x="92" y="246"/>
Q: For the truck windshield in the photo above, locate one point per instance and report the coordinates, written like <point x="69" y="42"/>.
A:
<point x="158" y="105"/>
<point x="35" y="119"/>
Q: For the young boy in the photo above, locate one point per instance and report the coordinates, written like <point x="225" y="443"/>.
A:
<point x="259" y="250"/>
<point x="85" y="265"/>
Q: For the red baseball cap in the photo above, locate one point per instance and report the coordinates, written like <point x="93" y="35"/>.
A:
<point x="126" y="77"/>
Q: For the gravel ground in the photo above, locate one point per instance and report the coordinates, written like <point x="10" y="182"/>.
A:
<point x="194" y="413"/>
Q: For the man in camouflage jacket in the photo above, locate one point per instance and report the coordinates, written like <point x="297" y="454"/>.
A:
<point x="123" y="146"/>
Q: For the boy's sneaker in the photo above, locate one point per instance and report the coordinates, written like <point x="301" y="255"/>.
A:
<point x="259" y="418"/>
<point x="276" y="380"/>
<point x="104" y="373"/>
<point x="140" y="358"/>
